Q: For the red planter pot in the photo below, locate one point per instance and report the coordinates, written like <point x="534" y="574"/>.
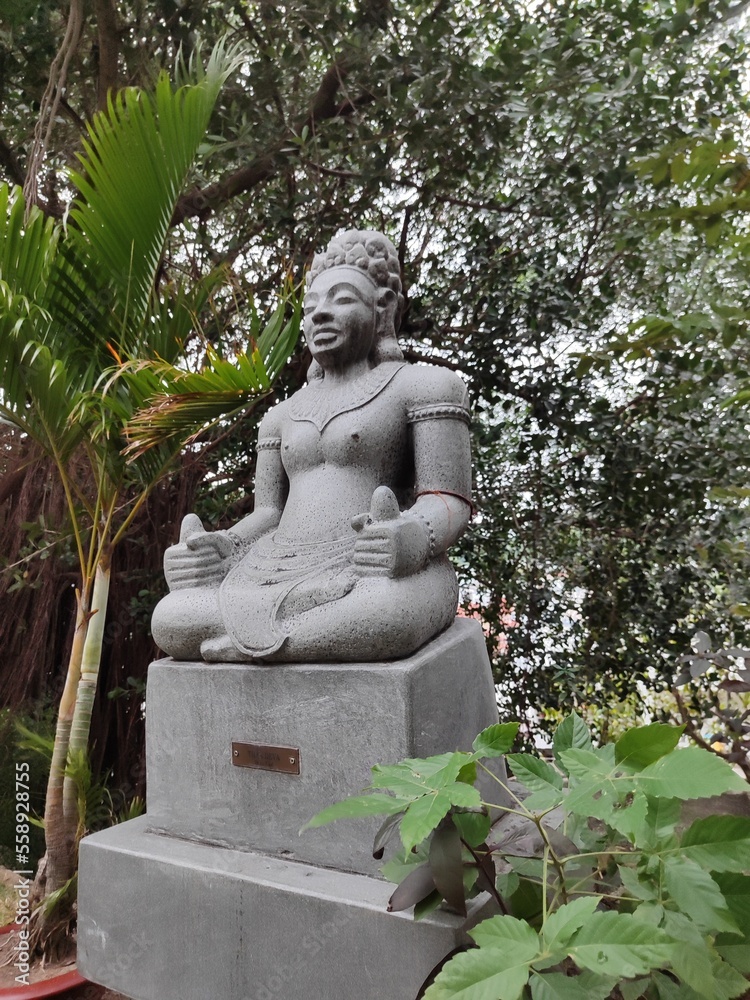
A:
<point x="69" y="985"/>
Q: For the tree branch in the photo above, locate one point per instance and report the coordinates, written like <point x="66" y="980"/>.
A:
<point x="9" y="160"/>
<point x="11" y="483"/>
<point x="202" y="203"/>
<point x="324" y="105"/>
<point x="106" y="22"/>
<point x="51" y="98"/>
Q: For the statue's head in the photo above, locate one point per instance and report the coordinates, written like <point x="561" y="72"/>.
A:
<point x="372" y="263"/>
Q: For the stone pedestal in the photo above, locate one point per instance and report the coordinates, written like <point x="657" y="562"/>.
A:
<point x="213" y="893"/>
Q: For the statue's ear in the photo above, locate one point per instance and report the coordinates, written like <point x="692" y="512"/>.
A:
<point x="386" y="306"/>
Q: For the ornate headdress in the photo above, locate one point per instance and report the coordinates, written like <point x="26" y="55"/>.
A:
<point x="371" y="252"/>
<point x="374" y="255"/>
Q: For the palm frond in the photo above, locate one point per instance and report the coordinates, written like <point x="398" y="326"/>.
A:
<point x="39" y="390"/>
<point x="180" y="405"/>
<point x="27" y="245"/>
<point x="175" y="314"/>
<point x="135" y="163"/>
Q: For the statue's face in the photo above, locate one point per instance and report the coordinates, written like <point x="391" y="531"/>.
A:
<point x="340" y="316"/>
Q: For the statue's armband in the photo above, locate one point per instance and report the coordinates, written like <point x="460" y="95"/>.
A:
<point x="268" y="444"/>
<point x="439" y="411"/>
<point x="442" y="448"/>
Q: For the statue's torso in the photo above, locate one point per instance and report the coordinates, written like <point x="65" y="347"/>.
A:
<point x="333" y="469"/>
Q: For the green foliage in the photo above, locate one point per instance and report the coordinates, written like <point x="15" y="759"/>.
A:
<point x="570" y="193"/>
<point x="89" y="334"/>
<point x="125" y="213"/>
<point x="606" y="892"/>
<point x="177" y="405"/>
<point x="12" y="740"/>
<point x="97" y="804"/>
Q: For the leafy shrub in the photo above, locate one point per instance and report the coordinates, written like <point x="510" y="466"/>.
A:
<point x="603" y="886"/>
<point x="11" y="753"/>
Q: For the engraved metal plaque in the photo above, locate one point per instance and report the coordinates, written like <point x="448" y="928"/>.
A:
<point x="268" y="758"/>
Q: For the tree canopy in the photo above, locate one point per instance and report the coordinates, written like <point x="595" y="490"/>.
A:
<point x="568" y="191"/>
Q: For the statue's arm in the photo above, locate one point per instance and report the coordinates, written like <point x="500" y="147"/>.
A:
<point x="203" y="558"/>
<point x="397" y="543"/>
<point x="439" y="424"/>
<point x="271" y="483"/>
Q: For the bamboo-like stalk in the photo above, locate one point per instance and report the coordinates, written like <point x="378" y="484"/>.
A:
<point x="59" y="856"/>
<point x="84" y="703"/>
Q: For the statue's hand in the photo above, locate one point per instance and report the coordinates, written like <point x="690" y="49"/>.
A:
<point x="390" y="543"/>
<point x="201" y="558"/>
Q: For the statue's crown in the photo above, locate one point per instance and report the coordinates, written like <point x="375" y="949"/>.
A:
<point x="368" y="251"/>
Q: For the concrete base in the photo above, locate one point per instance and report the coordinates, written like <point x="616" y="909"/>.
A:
<point x="213" y="894"/>
<point x="164" y="919"/>
<point x="343" y="718"/>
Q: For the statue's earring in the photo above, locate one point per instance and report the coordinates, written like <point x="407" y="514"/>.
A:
<point x="385" y="311"/>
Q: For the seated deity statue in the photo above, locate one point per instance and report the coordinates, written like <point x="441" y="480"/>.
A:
<point x="362" y="484"/>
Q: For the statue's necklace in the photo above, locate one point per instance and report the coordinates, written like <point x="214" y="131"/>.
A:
<point x="319" y="405"/>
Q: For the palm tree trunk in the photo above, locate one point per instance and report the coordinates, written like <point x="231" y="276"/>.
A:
<point x="57" y="861"/>
<point x="84" y="705"/>
<point x="63" y="823"/>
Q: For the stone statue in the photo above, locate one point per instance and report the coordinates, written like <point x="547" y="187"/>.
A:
<point x="362" y="484"/>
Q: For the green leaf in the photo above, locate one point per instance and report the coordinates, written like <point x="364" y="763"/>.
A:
<point x="633" y="884"/>
<point x="526" y="900"/>
<point x="135" y="163"/>
<point x="355" y="807"/>
<point x="507" y="932"/>
<point x="689" y="773"/>
<point x="629" y="820"/>
<point x="720" y="843"/>
<point x="507" y="883"/>
<point x="403" y="863"/>
<point x="571" y="734"/>
<point x="585" y="764"/>
<point x="615" y="944"/>
<point x="461" y="795"/>
<point x="650" y="913"/>
<point x="594" y="799"/>
<point x="427" y="905"/>
<point x="679" y="926"/>
<point x="696" y="893"/>
<point x="662" y="816"/>
<point x="707" y="973"/>
<point x="529" y="867"/>
<point x="496" y="740"/>
<point x="691" y="961"/>
<point x="399" y="779"/>
<point x="481" y="974"/>
<point x="564" y="922"/>
<point x="670" y="990"/>
<point x="735" y="951"/>
<point x="643" y="745"/>
<point x="736" y="891"/>
<point x="422" y="817"/>
<point x="557" y="986"/>
<point x="728" y="982"/>
<point x="545" y="799"/>
<point x="536" y="774"/>
<point x="414" y="777"/>
<point x="633" y="989"/>
<point x="438" y="770"/>
<point x="473" y="826"/>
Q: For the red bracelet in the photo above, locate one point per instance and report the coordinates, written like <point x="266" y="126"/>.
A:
<point x="448" y="493"/>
